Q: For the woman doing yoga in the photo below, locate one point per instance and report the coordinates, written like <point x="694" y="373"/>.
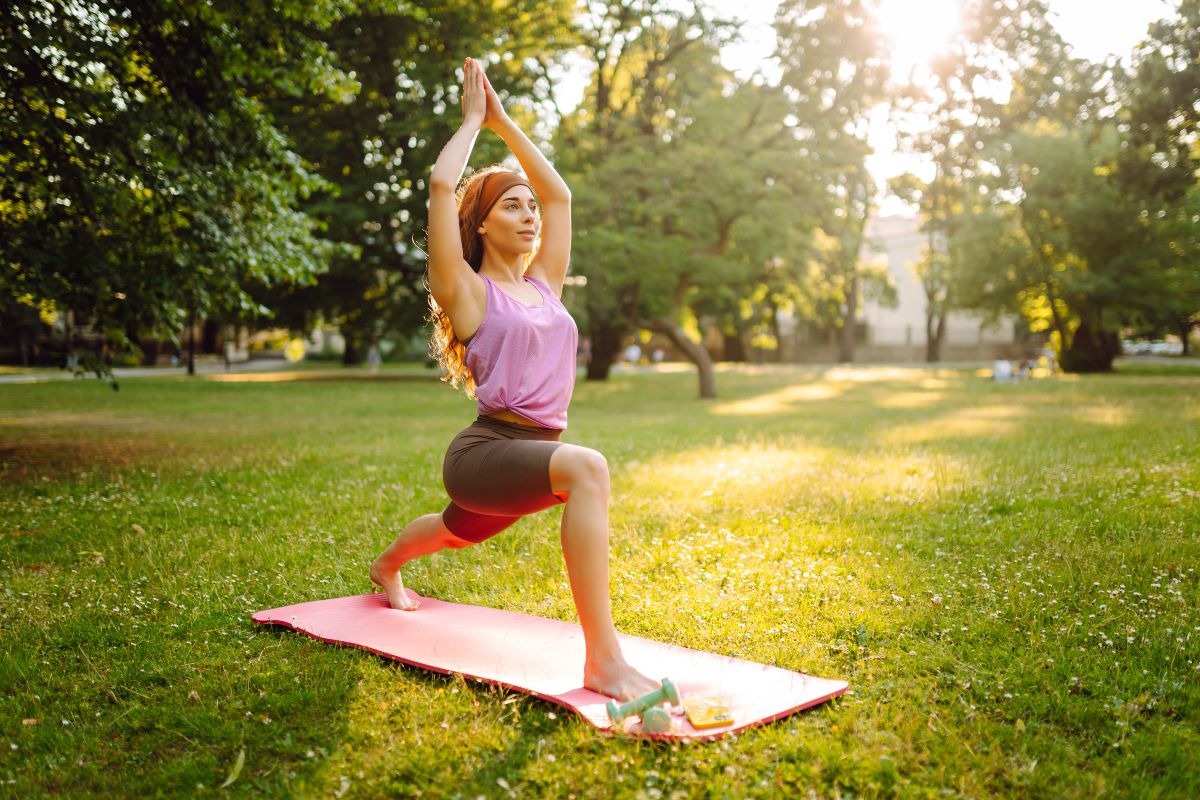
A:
<point x="504" y="335"/>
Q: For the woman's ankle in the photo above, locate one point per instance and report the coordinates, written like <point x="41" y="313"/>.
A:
<point x="604" y="656"/>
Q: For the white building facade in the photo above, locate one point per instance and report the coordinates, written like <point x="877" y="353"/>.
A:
<point x="896" y="335"/>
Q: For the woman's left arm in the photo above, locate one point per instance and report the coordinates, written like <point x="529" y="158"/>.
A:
<point x="554" y="254"/>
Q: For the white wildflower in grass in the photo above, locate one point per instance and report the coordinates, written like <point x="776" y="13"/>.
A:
<point x="822" y="519"/>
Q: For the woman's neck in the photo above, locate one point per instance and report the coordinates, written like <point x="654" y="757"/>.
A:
<point x="502" y="269"/>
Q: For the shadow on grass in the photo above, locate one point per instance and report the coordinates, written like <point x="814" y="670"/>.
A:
<point x="815" y="478"/>
<point x="29" y="459"/>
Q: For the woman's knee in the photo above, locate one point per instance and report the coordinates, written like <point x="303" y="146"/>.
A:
<point x="579" y="468"/>
<point x="446" y="537"/>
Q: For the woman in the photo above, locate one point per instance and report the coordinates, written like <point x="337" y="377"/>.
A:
<point x="502" y="333"/>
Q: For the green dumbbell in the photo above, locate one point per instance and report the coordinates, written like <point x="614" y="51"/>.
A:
<point x="668" y="693"/>
<point x="657" y="720"/>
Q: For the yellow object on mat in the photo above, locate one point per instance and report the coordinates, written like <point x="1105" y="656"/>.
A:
<point x="707" y="711"/>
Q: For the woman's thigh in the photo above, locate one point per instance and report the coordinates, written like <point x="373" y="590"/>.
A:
<point x="502" y="477"/>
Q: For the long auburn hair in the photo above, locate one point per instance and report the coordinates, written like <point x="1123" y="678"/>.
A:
<point x="444" y="344"/>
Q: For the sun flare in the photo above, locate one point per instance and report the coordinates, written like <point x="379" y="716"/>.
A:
<point x="918" y="29"/>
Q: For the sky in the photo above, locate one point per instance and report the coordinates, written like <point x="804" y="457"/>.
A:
<point x="1093" y="28"/>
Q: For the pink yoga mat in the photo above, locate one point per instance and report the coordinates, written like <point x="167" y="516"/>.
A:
<point x="544" y="657"/>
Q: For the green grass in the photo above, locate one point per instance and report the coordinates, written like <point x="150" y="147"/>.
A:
<point x="1005" y="574"/>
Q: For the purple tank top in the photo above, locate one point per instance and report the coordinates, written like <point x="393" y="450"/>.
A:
<point x="523" y="357"/>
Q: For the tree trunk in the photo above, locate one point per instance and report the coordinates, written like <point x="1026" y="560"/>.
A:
<point x="70" y="326"/>
<point x="935" y="334"/>
<point x="1185" y="325"/>
<point x="352" y="353"/>
<point x="848" y="331"/>
<point x="150" y="353"/>
<point x="773" y="321"/>
<point x="1092" y="349"/>
<point x="735" y="347"/>
<point x="695" y="353"/>
<point x="606" y="344"/>
<point x="192" y="341"/>
<point x="210" y="336"/>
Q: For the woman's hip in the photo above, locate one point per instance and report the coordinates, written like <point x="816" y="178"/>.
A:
<point x="500" y="467"/>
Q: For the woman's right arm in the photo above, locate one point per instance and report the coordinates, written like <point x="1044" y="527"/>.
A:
<point x="451" y="279"/>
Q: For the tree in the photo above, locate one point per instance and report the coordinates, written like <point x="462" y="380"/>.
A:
<point x="833" y="60"/>
<point x="651" y="64"/>
<point x="1163" y="159"/>
<point x="952" y="109"/>
<point x="1062" y="242"/>
<point x="376" y="150"/>
<point x="736" y="180"/>
<point x="142" y="179"/>
<point x="687" y="183"/>
<point x="1087" y="222"/>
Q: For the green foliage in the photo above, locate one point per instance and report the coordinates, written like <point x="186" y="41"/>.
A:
<point x="833" y="58"/>
<point x="949" y="111"/>
<point x="141" y="175"/>
<point x="1079" y="252"/>
<point x="376" y="150"/>
<point x="698" y="191"/>
<point x="1164" y="161"/>
<point x="662" y="173"/>
<point x="243" y="159"/>
<point x="1073" y="202"/>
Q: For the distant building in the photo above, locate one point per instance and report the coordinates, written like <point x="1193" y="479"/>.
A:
<point x="966" y="335"/>
<point x="898" y="334"/>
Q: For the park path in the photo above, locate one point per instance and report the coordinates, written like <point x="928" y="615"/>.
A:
<point x="276" y="365"/>
<point x="120" y="373"/>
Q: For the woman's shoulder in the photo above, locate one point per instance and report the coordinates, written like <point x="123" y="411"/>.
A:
<point x="543" y="285"/>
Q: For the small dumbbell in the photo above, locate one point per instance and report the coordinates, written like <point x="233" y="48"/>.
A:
<point x="657" y="720"/>
<point x="668" y="693"/>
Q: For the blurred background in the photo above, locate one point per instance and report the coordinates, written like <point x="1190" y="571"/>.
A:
<point x="767" y="182"/>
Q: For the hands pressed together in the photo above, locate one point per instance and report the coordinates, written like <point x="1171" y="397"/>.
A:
<point x="481" y="108"/>
<point x="480" y="103"/>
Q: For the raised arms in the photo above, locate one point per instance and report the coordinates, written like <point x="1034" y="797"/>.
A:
<point x="454" y="285"/>
<point x="554" y="254"/>
<point x="456" y="288"/>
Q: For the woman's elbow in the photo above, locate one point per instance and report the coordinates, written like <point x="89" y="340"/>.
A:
<point x="440" y="183"/>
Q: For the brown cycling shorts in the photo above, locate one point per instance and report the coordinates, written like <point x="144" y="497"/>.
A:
<point x="495" y="473"/>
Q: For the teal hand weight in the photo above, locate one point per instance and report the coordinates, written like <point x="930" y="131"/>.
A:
<point x="657" y="720"/>
<point x="668" y="693"/>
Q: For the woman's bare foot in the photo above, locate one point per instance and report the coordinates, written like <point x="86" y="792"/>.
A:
<point x="616" y="679"/>
<point x="393" y="586"/>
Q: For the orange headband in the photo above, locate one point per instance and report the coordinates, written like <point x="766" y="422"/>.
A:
<point x="494" y="187"/>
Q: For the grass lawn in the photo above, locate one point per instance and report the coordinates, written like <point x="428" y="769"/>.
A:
<point x="1005" y="574"/>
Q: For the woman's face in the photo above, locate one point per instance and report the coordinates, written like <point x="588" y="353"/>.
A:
<point x="514" y="223"/>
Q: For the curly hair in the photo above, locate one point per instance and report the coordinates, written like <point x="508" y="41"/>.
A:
<point x="444" y="344"/>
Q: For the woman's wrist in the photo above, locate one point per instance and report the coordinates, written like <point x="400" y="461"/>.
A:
<point x="501" y="123"/>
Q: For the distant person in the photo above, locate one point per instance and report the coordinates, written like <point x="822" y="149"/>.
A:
<point x="1050" y="359"/>
<point x="633" y="353"/>
<point x="502" y="333"/>
<point x="1002" y="371"/>
<point x="374" y="359"/>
